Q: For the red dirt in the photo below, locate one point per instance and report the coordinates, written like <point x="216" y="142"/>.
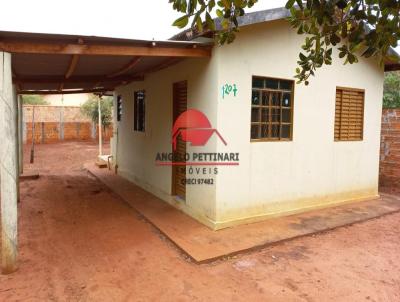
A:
<point x="80" y="242"/>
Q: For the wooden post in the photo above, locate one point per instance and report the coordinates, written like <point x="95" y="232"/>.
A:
<point x="100" y="130"/>
<point x="93" y="132"/>
<point x="62" y="120"/>
<point x="15" y="101"/>
<point x="20" y="135"/>
<point x="42" y="134"/>
<point x="8" y="166"/>
<point x="33" y="136"/>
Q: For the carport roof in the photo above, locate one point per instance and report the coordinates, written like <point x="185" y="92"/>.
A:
<point x="52" y="63"/>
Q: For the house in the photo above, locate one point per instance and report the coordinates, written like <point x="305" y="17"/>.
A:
<point x="222" y="133"/>
<point x="261" y="145"/>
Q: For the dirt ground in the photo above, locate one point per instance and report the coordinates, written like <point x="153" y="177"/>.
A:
<point x="80" y="242"/>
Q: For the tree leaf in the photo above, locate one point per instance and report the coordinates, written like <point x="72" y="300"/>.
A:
<point x="210" y="22"/>
<point x="181" y="22"/>
<point x="289" y="4"/>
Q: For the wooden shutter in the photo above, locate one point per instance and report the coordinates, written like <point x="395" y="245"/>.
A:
<point x="179" y="172"/>
<point x="349" y="114"/>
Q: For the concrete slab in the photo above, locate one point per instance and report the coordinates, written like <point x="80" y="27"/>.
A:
<point x="204" y="245"/>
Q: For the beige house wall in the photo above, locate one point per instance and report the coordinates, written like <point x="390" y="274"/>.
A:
<point x="312" y="170"/>
<point x="136" y="151"/>
<point x="273" y="178"/>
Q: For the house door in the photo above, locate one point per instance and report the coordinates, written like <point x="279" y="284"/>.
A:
<point x="179" y="172"/>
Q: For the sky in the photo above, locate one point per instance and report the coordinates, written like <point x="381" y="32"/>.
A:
<point x="135" y="19"/>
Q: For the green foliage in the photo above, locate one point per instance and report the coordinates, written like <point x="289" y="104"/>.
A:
<point x="199" y="12"/>
<point x="34" y="99"/>
<point x="391" y="92"/>
<point x="355" y="27"/>
<point x="90" y="109"/>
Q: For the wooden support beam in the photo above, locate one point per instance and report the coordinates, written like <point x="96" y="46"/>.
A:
<point x="76" y="79"/>
<point x="126" y="68"/>
<point x="72" y="66"/>
<point x="165" y="64"/>
<point x="392" y="67"/>
<point x="8" y="166"/>
<point x="73" y="91"/>
<point x="96" y="85"/>
<point x="39" y="47"/>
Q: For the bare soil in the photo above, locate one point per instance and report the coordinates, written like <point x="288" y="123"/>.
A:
<point x="78" y="241"/>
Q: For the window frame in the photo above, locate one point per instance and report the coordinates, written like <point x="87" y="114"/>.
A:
<point x="291" y="123"/>
<point x="136" y="112"/>
<point x="363" y="115"/>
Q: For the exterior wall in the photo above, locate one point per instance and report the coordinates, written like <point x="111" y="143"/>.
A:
<point x="136" y="152"/>
<point x="58" y="123"/>
<point x="312" y="170"/>
<point x="273" y="178"/>
<point x="46" y="113"/>
<point x="390" y="149"/>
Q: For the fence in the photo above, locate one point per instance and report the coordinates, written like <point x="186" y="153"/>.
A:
<point x="58" y="123"/>
<point x="390" y="149"/>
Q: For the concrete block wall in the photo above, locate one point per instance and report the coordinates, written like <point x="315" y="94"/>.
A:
<point x="47" y="113"/>
<point x="59" y="123"/>
<point x="390" y="149"/>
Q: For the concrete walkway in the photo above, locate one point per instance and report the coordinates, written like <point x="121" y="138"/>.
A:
<point x="205" y="245"/>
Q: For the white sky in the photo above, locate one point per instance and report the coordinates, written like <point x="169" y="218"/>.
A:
<point x="140" y="19"/>
<point x="136" y="19"/>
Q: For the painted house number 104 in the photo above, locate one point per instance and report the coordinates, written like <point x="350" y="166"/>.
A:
<point x="229" y="89"/>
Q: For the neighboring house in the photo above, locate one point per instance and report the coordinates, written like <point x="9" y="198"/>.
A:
<point x="299" y="147"/>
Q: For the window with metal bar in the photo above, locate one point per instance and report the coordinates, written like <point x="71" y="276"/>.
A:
<point x="119" y="108"/>
<point x="139" y="111"/>
<point x="271" y="109"/>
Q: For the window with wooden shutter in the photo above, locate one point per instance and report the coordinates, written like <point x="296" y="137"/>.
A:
<point x="349" y="114"/>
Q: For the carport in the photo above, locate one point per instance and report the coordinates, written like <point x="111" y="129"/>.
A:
<point x="33" y="63"/>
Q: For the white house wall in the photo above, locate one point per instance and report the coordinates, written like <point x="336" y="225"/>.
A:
<point x="312" y="170"/>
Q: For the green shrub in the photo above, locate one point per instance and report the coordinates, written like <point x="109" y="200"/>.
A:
<point x="391" y="91"/>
